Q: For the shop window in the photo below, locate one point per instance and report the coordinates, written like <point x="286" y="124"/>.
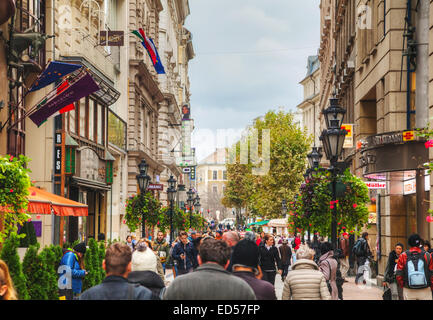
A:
<point x="91" y="120"/>
<point x="82" y="113"/>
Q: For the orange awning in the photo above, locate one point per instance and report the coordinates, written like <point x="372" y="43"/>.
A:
<point x="41" y="202"/>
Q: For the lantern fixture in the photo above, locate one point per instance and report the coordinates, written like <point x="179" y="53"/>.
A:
<point x="142" y="178"/>
<point x="334" y="115"/>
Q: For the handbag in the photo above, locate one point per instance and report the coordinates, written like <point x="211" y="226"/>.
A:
<point x="387" y="295"/>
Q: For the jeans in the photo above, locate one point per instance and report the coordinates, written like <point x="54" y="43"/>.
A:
<point x="269" y="276"/>
<point x="285" y="270"/>
<point x="396" y="291"/>
<point x="163" y="267"/>
<point x="363" y="269"/>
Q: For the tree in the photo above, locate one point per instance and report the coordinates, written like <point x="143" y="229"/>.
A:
<point x="91" y="262"/>
<point x="28" y="230"/>
<point x="9" y="254"/>
<point x="35" y="270"/>
<point x="14" y="189"/>
<point x="50" y="256"/>
<point x="101" y="259"/>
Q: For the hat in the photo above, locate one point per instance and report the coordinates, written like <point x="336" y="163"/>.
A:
<point x="144" y="261"/>
<point x="414" y="240"/>
<point x="246" y="253"/>
<point x="81" y="247"/>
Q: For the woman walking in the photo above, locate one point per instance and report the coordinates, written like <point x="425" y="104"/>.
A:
<point x="328" y="266"/>
<point x="269" y="258"/>
<point x="305" y="281"/>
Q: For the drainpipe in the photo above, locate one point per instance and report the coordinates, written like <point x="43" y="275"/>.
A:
<point x="422" y="70"/>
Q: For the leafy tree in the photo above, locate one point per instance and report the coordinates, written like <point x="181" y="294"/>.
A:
<point x="28" y="230"/>
<point x="91" y="262"/>
<point x="101" y="259"/>
<point x="14" y="189"/>
<point x="9" y="254"/>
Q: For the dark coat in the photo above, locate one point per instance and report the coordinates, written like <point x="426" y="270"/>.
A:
<point x="116" y="288"/>
<point x="268" y="259"/>
<point x="149" y="280"/>
<point x="209" y="282"/>
<point x="263" y="289"/>
<point x="190" y="255"/>
<point x="286" y="254"/>
<point x="389" y="274"/>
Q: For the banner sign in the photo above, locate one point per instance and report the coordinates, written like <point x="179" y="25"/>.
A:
<point x="111" y="38"/>
<point x="375" y="185"/>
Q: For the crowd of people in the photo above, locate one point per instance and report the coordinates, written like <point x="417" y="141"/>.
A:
<point x="240" y="266"/>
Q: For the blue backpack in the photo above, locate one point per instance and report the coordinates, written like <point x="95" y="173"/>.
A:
<point x="417" y="270"/>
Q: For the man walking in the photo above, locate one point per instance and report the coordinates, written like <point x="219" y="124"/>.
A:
<point x="286" y="256"/>
<point x="362" y="252"/>
<point x="117" y="265"/>
<point x="210" y="281"/>
<point x="344" y="260"/>
<point x="184" y="254"/>
<point x="389" y="275"/>
<point x="162" y="249"/>
<point x="415" y="271"/>
<point x="232" y="239"/>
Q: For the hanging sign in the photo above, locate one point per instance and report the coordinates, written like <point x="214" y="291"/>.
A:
<point x="111" y="38"/>
<point x="375" y="185"/>
<point x="348" y="140"/>
<point x="155" y="187"/>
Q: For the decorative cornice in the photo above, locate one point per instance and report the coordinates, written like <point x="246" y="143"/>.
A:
<point x="147" y="80"/>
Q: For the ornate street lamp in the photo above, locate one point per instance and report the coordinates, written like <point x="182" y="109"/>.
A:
<point x="197" y="204"/>
<point x="190" y="201"/>
<point x="171" y="190"/>
<point x="314" y="158"/>
<point x="143" y="181"/>
<point x="333" y="140"/>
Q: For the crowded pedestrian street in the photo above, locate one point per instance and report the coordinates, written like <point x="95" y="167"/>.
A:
<point x="216" y="158"/>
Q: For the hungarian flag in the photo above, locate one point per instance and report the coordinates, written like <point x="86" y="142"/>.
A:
<point x="150" y="47"/>
<point x="66" y="95"/>
<point x="52" y="73"/>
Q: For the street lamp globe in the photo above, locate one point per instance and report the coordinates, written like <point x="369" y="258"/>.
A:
<point x="314" y="158"/>
<point x="284" y="207"/>
<point x="334" y="114"/>
<point x="333" y="141"/>
<point x="171" y="188"/>
<point x="190" y="198"/>
<point x="142" y="178"/>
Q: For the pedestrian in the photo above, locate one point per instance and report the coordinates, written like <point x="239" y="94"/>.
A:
<point x="260" y="239"/>
<point x="117" y="265"/>
<point x="232" y="239"/>
<point x="269" y="258"/>
<point x="72" y="273"/>
<point x="305" y="281"/>
<point x="328" y="266"/>
<point x="7" y="289"/>
<point x="184" y="254"/>
<point x="159" y="268"/>
<point x="415" y="271"/>
<point x="315" y="245"/>
<point x="162" y="248"/>
<point x="101" y="237"/>
<point x="362" y="252"/>
<point x="344" y="260"/>
<point x="130" y="243"/>
<point x="427" y="247"/>
<point x="286" y="258"/>
<point x="389" y="275"/>
<point x="245" y="260"/>
<point x="250" y="235"/>
<point x="219" y="235"/>
<point x="144" y="270"/>
<point x="210" y="281"/>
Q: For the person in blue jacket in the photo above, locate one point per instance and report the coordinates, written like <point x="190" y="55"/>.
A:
<point x="71" y="272"/>
<point x="185" y="254"/>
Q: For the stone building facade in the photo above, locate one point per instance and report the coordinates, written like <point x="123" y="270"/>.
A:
<point x="386" y="98"/>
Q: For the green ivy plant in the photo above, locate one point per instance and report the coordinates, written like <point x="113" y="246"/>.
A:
<point x="314" y="208"/>
<point x="14" y="190"/>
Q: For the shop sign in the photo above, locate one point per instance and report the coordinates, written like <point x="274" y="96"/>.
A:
<point x="111" y="38"/>
<point x="409" y="187"/>
<point x="372" y="217"/>
<point x="348" y="140"/>
<point x="375" y="185"/>
<point x="155" y="187"/>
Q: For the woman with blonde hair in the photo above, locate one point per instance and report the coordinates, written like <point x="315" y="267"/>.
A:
<point x="7" y="290"/>
<point x="305" y="281"/>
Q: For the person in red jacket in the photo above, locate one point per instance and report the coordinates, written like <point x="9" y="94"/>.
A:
<point x="401" y="272"/>
<point x="297" y="241"/>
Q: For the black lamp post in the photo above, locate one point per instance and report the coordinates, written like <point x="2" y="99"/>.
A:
<point x="190" y="201"/>
<point x="170" y="195"/>
<point x="284" y="208"/>
<point x="333" y="139"/>
<point x="197" y="204"/>
<point x="143" y="182"/>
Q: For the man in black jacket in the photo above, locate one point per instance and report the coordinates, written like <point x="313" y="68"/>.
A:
<point x="117" y="265"/>
<point x="286" y="257"/>
<point x="389" y="275"/>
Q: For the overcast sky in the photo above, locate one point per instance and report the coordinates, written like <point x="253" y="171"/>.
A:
<point x="250" y="57"/>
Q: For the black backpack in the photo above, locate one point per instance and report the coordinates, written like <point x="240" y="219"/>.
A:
<point x="359" y="248"/>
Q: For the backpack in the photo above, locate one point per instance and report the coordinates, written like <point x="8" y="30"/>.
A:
<point x="358" y="248"/>
<point x="417" y="270"/>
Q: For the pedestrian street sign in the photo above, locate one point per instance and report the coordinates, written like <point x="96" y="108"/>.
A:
<point x="186" y="170"/>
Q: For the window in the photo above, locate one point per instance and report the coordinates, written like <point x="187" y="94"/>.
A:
<point x="215" y="175"/>
<point x="82" y="131"/>
<point x="100" y="126"/>
<point x="215" y="189"/>
<point x="91" y="123"/>
<point x="72" y="119"/>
